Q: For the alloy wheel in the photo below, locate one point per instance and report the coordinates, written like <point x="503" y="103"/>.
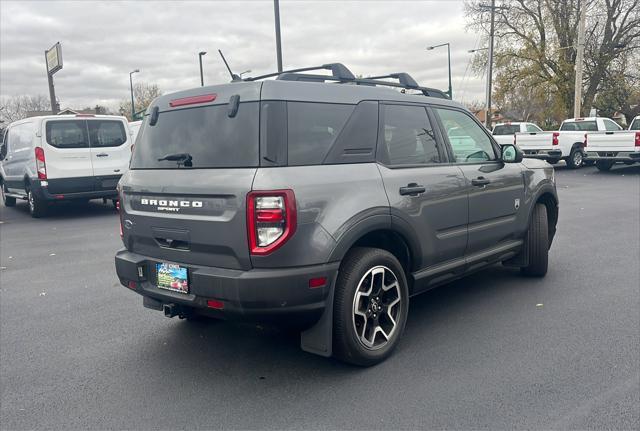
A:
<point x="376" y="307"/>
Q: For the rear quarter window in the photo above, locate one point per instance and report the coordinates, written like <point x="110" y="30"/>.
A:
<point x="635" y="125"/>
<point x="312" y="130"/>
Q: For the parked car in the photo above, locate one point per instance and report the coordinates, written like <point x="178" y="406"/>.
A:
<point x="63" y="157"/>
<point x="134" y="126"/>
<point x="635" y="123"/>
<point x="324" y="204"/>
<point x="504" y="133"/>
<point x="567" y="144"/>
<point x="609" y="148"/>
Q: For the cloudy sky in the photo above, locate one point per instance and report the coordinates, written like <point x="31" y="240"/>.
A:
<point x="103" y="41"/>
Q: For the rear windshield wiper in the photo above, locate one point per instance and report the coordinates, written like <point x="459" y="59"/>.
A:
<point x="181" y="158"/>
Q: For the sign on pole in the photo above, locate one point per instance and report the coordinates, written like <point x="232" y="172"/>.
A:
<point x="54" y="58"/>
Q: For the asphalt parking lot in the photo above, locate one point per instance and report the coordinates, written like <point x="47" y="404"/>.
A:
<point x="496" y="351"/>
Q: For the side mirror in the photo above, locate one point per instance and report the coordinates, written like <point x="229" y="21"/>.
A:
<point x="511" y="154"/>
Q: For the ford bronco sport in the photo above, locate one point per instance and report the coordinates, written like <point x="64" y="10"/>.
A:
<point x="324" y="201"/>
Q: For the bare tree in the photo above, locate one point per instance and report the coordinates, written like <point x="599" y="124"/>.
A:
<point x="14" y="108"/>
<point x="536" y="43"/>
<point x="143" y="93"/>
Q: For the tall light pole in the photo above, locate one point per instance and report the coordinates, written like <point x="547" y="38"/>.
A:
<point x="276" y="12"/>
<point x="429" y="48"/>
<point x="133" y="109"/>
<point x="200" y="54"/>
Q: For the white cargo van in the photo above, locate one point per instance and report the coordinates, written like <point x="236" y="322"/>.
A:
<point x="63" y="157"/>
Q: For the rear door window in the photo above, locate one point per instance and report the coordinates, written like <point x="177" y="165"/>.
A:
<point x="408" y="137"/>
<point x="106" y="133"/>
<point x="533" y="128"/>
<point x="506" y="129"/>
<point x="207" y="135"/>
<point x="312" y="130"/>
<point x="611" y="125"/>
<point x="67" y="134"/>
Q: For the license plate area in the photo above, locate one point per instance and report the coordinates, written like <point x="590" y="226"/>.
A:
<point x="172" y="277"/>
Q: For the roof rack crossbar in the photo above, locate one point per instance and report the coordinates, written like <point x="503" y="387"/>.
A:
<point x="338" y="70"/>
<point x="404" y="78"/>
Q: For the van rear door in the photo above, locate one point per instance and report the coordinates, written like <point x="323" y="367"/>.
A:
<point x="110" y="150"/>
<point x="67" y="155"/>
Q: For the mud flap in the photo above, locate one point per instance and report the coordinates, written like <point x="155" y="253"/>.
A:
<point x="319" y="338"/>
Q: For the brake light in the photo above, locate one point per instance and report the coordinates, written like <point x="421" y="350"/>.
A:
<point x="554" y="141"/>
<point x="637" y="144"/>
<point x="193" y="100"/>
<point x="215" y="304"/>
<point x="119" y="208"/>
<point x="41" y="166"/>
<point x="271" y="219"/>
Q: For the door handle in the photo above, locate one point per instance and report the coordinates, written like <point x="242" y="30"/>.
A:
<point x="102" y="155"/>
<point x="480" y="181"/>
<point x="412" y="189"/>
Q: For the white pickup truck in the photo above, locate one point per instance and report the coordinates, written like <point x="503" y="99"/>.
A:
<point x="567" y="144"/>
<point x="607" y="148"/>
<point x="504" y="133"/>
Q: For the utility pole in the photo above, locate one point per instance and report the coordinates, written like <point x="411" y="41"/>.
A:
<point x="577" y="98"/>
<point x="276" y="11"/>
<point x="490" y="65"/>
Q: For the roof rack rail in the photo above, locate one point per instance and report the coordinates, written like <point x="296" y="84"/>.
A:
<point x="338" y="71"/>
<point x="404" y="78"/>
<point x="342" y="75"/>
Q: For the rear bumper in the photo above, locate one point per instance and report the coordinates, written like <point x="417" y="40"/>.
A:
<point x="257" y="294"/>
<point x="543" y="154"/>
<point x="76" y="188"/>
<point x="616" y="156"/>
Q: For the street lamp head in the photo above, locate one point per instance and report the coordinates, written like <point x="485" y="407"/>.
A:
<point x="429" y="48"/>
<point x="202" y="52"/>
<point x="134" y="71"/>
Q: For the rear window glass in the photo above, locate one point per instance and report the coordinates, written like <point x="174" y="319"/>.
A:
<point x="67" y="134"/>
<point x="205" y="135"/>
<point x="313" y="128"/>
<point x="106" y="133"/>
<point x="635" y="125"/>
<point x="582" y="126"/>
<point x="506" y="129"/>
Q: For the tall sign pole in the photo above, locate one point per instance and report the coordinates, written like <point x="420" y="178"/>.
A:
<point x="276" y="11"/>
<point x="577" y="96"/>
<point x="53" y="61"/>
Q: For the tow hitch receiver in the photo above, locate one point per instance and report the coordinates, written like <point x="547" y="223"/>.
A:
<point x="170" y="310"/>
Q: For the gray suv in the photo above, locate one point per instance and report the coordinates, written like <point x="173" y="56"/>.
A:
<point x="325" y="202"/>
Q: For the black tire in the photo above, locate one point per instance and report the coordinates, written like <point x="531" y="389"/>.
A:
<point x="37" y="207"/>
<point x="576" y="158"/>
<point x="359" y="264"/>
<point x="589" y="162"/>
<point x="8" y="201"/>
<point x="537" y="243"/>
<point x="604" y="165"/>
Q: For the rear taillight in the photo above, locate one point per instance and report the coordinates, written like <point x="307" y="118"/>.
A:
<point x="119" y="208"/>
<point x="637" y="144"/>
<point x="41" y="166"/>
<point x="554" y="140"/>
<point x="271" y="219"/>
